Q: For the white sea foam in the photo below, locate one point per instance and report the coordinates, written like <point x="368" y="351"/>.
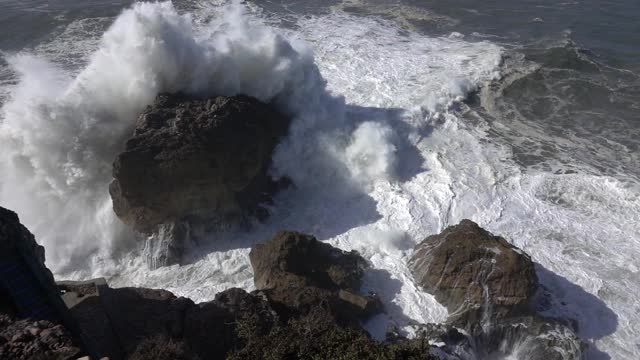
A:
<point x="381" y="150"/>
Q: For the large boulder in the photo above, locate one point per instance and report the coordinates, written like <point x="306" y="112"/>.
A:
<point x="488" y="287"/>
<point x="297" y="273"/>
<point x="197" y="161"/>
<point x="476" y="275"/>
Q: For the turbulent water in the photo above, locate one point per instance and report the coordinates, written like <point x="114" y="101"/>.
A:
<point x="407" y="119"/>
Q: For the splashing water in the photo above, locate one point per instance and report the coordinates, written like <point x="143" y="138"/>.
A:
<point x="382" y="150"/>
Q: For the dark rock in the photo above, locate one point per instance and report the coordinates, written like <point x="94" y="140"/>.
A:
<point x="160" y="348"/>
<point x="219" y="320"/>
<point x="197" y="161"/>
<point x="27" y="287"/>
<point x="22" y="269"/>
<point x="292" y="259"/>
<point x="136" y="314"/>
<point x="127" y="322"/>
<point x="296" y="272"/>
<point x="82" y="299"/>
<point x="476" y="275"/>
<point x="42" y="340"/>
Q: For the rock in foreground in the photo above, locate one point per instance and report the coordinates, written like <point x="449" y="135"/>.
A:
<point x="32" y="314"/>
<point x="196" y="161"/>
<point x="131" y="322"/>
<point x="35" y="340"/>
<point x="307" y="305"/>
<point x="298" y="272"/>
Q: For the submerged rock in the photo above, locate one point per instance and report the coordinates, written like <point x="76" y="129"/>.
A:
<point x="488" y="287"/>
<point x="196" y="161"/>
<point x="297" y="272"/>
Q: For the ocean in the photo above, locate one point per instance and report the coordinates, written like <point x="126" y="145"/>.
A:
<point x="409" y="117"/>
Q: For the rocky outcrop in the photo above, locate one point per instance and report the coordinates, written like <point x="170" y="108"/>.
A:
<point x="297" y="278"/>
<point x="35" y="340"/>
<point x="195" y="162"/>
<point x="488" y="287"/>
<point x="307" y="306"/>
<point x="22" y="258"/>
<point x="296" y="272"/>
<point x="125" y="321"/>
<point x="30" y="305"/>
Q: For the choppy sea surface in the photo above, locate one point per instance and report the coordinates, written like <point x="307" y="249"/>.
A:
<point x="409" y="116"/>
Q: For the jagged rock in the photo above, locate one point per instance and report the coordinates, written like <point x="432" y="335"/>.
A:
<point x="22" y="257"/>
<point x="197" y="161"/>
<point x="476" y="275"/>
<point x="28" y="291"/>
<point x="297" y="272"/>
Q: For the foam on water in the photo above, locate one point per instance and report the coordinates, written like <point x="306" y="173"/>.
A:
<point x="382" y="150"/>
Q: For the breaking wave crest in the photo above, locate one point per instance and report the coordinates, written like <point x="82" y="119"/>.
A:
<point x="382" y="150"/>
<point x="60" y="132"/>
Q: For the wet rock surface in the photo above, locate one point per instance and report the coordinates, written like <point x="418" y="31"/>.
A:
<point x="489" y="288"/>
<point x="197" y="162"/>
<point x="477" y="275"/>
